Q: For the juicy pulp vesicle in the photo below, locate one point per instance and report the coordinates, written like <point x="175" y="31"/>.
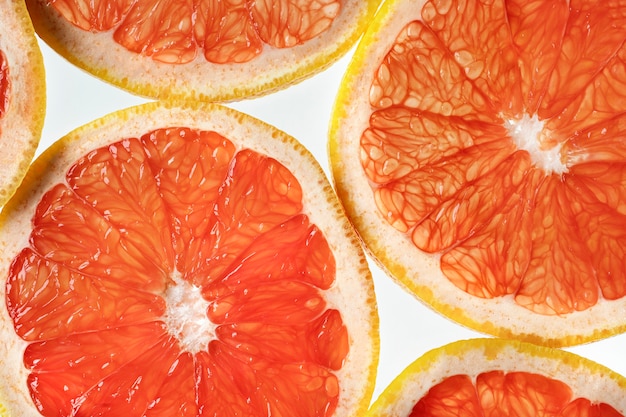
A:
<point x="92" y="293"/>
<point x="227" y="32"/>
<point x="501" y="150"/>
<point x="500" y="393"/>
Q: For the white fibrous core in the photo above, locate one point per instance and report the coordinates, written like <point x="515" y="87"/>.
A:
<point x="526" y="134"/>
<point x="186" y="315"/>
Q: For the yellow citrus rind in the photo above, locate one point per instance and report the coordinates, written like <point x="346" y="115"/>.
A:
<point x="352" y="293"/>
<point x="22" y="124"/>
<point x="586" y="378"/>
<point x="416" y="271"/>
<point x="200" y="80"/>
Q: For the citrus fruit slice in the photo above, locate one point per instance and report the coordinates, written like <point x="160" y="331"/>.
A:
<point x="497" y="377"/>
<point x="182" y="260"/>
<point x="478" y="147"/>
<point x="22" y="95"/>
<point x="209" y="50"/>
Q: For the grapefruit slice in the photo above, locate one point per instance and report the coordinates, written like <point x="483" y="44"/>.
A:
<point x="478" y="148"/>
<point x="209" y="50"/>
<point x="182" y="260"/>
<point x="22" y="95"/>
<point x="498" y="377"/>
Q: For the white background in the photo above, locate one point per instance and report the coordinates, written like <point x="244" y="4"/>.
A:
<point x="407" y="328"/>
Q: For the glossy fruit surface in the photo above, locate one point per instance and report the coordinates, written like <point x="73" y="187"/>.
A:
<point x="209" y="50"/>
<point x="22" y="95"/>
<point x="479" y="150"/>
<point x="183" y="260"/>
<point x="481" y="377"/>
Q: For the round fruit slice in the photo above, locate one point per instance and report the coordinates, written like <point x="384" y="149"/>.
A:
<point x="210" y="50"/>
<point x="479" y="149"/>
<point x="496" y="377"/>
<point x="183" y="261"/>
<point x="22" y="95"/>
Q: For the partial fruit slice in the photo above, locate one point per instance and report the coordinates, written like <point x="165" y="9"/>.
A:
<point x="210" y="50"/>
<point x="188" y="260"/>
<point x="497" y="377"/>
<point x="478" y="147"/>
<point x="22" y="95"/>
